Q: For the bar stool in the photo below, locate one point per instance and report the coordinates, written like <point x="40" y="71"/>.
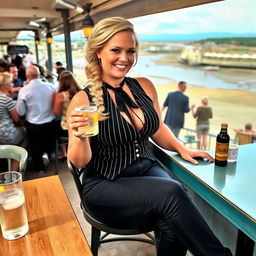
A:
<point x="97" y="226"/>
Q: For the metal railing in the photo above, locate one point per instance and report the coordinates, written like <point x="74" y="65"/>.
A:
<point x="188" y="137"/>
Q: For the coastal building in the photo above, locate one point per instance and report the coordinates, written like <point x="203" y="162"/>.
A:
<point x="198" y="56"/>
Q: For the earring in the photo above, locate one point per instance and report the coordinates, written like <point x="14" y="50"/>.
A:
<point x="99" y="60"/>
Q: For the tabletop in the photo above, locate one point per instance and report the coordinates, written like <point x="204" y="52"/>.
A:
<point x="53" y="227"/>
<point x="230" y="190"/>
<point x="235" y="182"/>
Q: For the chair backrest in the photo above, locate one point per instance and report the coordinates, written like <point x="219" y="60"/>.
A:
<point x="16" y="153"/>
<point x="243" y="138"/>
<point x="76" y="173"/>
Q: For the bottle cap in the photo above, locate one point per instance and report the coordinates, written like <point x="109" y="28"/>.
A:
<point x="224" y="125"/>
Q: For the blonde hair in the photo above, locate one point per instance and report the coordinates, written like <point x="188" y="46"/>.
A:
<point x="101" y="33"/>
<point x="5" y="78"/>
<point x="204" y="100"/>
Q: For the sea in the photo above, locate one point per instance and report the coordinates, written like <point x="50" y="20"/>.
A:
<point x="158" y="73"/>
<point x="224" y="78"/>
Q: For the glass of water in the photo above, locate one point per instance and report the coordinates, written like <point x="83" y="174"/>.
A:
<point x="13" y="213"/>
<point x="232" y="152"/>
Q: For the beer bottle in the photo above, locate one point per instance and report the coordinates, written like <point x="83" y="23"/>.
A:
<point x="222" y="144"/>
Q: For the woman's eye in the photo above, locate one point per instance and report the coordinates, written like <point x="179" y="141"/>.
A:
<point x="131" y="51"/>
<point x="115" y="50"/>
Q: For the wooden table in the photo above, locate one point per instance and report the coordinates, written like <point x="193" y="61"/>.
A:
<point x="230" y="190"/>
<point x="53" y="227"/>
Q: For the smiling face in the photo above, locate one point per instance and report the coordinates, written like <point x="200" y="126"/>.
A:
<point x="117" y="57"/>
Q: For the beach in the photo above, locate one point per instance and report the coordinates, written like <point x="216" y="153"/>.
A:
<point x="232" y="106"/>
<point x="235" y="107"/>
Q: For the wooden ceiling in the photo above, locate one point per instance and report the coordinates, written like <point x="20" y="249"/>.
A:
<point x="16" y="15"/>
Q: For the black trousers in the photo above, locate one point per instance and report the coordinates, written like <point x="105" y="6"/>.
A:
<point x="145" y="194"/>
<point x="41" y="139"/>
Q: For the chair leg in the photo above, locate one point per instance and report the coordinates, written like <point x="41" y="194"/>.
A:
<point x="95" y="241"/>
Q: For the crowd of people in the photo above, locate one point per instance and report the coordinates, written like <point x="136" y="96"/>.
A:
<point x="33" y="110"/>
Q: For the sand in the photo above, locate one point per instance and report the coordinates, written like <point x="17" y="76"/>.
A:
<point x="234" y="107"/>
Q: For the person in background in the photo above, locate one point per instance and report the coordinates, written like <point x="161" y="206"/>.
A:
<point x="21" y="69"/>
<point x="202" y="114"/>
<point x="43" y="74"/>
<point x="17" y="82"/>
<point x="3" y="66"/>
<point x="248" y="129"/>
<point x="58" y="64"/>
<point x="11" y="130"/>
<point x="121" y="174"/>
<point x="177" y="104"/>
<point x="59" y="68"/>
<point x="28" y="59"/>
<point x="68" y="87"/>
<point x="35" y="103"/>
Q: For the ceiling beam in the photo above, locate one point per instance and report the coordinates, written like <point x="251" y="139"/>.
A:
<point x="25" y="13"/>
<point x="107" y="5"/>
<point x="133" y="9"/>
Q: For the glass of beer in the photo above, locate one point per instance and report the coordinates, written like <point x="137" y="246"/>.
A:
<point x="91" y="111"/>
<point x="13" y="214"/>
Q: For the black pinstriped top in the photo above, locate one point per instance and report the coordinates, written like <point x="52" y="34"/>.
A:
<point x="118" y="144"/>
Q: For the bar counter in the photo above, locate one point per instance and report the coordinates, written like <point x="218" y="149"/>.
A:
<point x="230" y="191"/>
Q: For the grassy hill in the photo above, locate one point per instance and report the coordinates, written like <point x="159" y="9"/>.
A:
<point x="241" y="41"/>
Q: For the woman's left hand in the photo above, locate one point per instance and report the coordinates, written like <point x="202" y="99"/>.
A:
<point x="189" y="156"/>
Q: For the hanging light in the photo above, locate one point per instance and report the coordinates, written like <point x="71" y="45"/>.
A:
<point x="88" y="25"/>
<point x="88" y="22"/>
<point x="49" y="38"/>
<point x="37" y="40"/>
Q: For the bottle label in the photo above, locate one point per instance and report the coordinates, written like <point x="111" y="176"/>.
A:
<point x="221" y="151"/>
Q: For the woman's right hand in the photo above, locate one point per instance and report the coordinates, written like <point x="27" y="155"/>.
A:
<point x="75" y="121"/>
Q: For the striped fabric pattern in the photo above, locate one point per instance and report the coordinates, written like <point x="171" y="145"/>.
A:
<point x="7" y="128"/>
<point x="118" y="144"/>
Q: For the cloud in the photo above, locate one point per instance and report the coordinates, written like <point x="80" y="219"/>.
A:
<point x="237" y="16"/>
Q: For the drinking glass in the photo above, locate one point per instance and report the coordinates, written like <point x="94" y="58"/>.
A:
<point x="232" y="152"/>
<point x="13" y="213"/>
<point x="91" y="111"/>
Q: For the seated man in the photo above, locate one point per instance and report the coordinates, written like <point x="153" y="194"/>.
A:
<point x="17" y="82"/>
<point x="248" y="129"/>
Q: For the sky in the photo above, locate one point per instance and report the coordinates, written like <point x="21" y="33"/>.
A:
<point x="230" y="16"/>
<point x="233" y="16"/>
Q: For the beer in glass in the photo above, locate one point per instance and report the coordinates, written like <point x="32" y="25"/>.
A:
<point x="91" y="111"/>
<point x="13" y="214"/>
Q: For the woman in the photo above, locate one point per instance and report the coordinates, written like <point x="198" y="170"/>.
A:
<point x="123" y="185"/>
<point x="11" y="131"/>
<point x="203" y="114"/>
<point x="68" y="87"/>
